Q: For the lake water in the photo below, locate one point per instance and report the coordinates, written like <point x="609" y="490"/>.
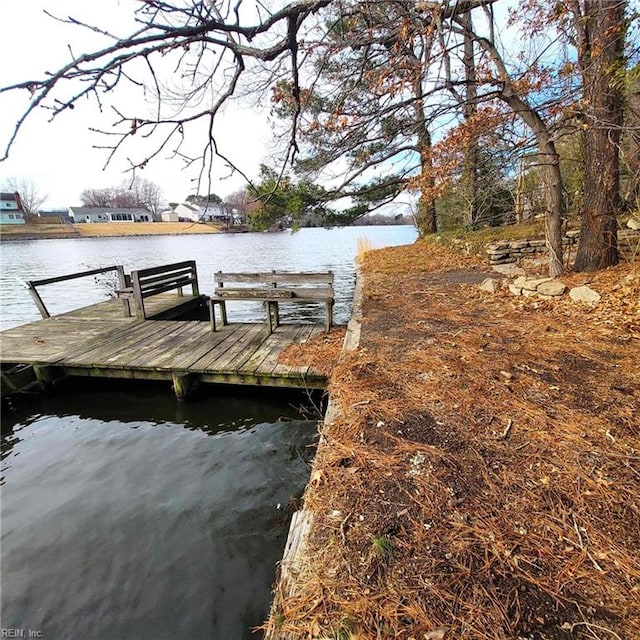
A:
<point x="128" y="514"/>
<point x="306" y="250"/>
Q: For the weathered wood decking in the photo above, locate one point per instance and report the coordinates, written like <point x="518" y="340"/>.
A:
<point x="99" y="341"/>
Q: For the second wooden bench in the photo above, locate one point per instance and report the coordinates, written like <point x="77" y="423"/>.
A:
<point x="145" y="283"/>
<point x="272" y="288"/>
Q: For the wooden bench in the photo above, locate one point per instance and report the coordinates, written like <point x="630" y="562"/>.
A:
<point x="145" y="283"/>
<point x="272" y="288"/>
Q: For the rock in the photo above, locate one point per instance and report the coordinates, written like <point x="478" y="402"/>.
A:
<point x="634" y="224"/>
<point x="515" y="289"/>
<point x="502" y="260"/>
<point x="537" y="243"/>
<point x="527" y="293"/>
<point x="440" y="633"/>
<point x="552" y="288"/>
<point x="509" y="269"/>
<point x="519" y="244"/>
<point x="489" y="284"/>
<point x="519" y="281"/>
<point x="532" y="284"/>
<point x="584" y="294"/>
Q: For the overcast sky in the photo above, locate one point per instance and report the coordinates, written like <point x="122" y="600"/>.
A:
<point x="59" y="157"/>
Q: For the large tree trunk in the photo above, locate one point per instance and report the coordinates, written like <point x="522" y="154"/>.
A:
<point x="469" y="108"/>
<point x="426" y="218"/>
<point x="554" y="208"/>
<point x="549" y="158"/>
<point x="552" y="179"/>
<point x="601" y="46"/>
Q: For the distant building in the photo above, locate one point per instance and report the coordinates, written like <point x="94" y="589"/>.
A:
<point x="207" y="212"/>
<point x="11" y="211"/>
<point x="109" y="214"/>
<point x="189" y="212"/>
<point x="169" y="216"/>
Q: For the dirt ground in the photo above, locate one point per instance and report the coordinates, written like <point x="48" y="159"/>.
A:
<point x="483" y="478"/>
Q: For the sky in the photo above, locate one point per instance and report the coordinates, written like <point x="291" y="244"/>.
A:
<point x="60" y="157"/>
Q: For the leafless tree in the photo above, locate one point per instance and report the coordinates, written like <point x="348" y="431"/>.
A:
<point x="97" y="197"/>
<point x="143" y="193"/>
<point x="209" y="46"/>
<point x="139" y="192"/>
<point x="240" y="200"/>
<point x="30" y="195"/>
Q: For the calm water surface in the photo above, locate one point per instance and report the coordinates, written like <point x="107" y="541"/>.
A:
<point x="128" y="515"/>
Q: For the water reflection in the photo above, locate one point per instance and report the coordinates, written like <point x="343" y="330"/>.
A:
<point x="114" y="526"/>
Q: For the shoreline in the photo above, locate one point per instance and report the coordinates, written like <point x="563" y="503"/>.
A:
<point x="453" y="462"/>
<point x="16" y="233"/>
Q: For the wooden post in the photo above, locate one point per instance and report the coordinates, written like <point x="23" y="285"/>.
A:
<point x="329" y="319"/>
<point x="46" y="375"/>
<point x="38" y="300"/>
<point x="124" y="282"/>
<point x="184" y="385"/>
<point x="212" y="314"/>
<point x="273" y="312"/>
<point x="267" y="307"/>
<point x="122" y="277"/>
<point x="137" y="295"/>
<point x="126" y="305"/>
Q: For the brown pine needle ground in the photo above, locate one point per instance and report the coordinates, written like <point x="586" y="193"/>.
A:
<point x="320" y="353"/>
<point x="483" y="478"/>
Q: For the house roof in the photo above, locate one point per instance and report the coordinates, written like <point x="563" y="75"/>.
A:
<point x="95" y="210"/>
<point x="190" y="206"/>
<point x="5" y="195"/>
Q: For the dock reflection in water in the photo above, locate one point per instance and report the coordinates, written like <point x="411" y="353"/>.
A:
<point x="134" y="516"/>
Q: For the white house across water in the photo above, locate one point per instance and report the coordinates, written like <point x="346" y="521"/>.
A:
<point x="109" y="214"/>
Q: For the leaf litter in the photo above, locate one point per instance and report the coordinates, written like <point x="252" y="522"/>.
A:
<point x="493" y="442"/>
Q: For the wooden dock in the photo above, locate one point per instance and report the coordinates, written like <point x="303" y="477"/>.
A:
<point x="99" y="341"/>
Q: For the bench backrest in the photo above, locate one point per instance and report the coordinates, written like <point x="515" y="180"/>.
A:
<point x="168" y="277"/>
<point x="276" y="278"/>
<point x="302" y="284"/>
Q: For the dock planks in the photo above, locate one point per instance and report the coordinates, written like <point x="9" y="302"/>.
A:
<point x="100" y="341"/>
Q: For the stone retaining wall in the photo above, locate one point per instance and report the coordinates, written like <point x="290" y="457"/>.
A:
<point x="510" y="251"/>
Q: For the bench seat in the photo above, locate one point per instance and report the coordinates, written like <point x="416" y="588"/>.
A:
<point x="272" y="288"/>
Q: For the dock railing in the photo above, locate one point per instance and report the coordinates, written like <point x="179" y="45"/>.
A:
<point x="32" y="285"/>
